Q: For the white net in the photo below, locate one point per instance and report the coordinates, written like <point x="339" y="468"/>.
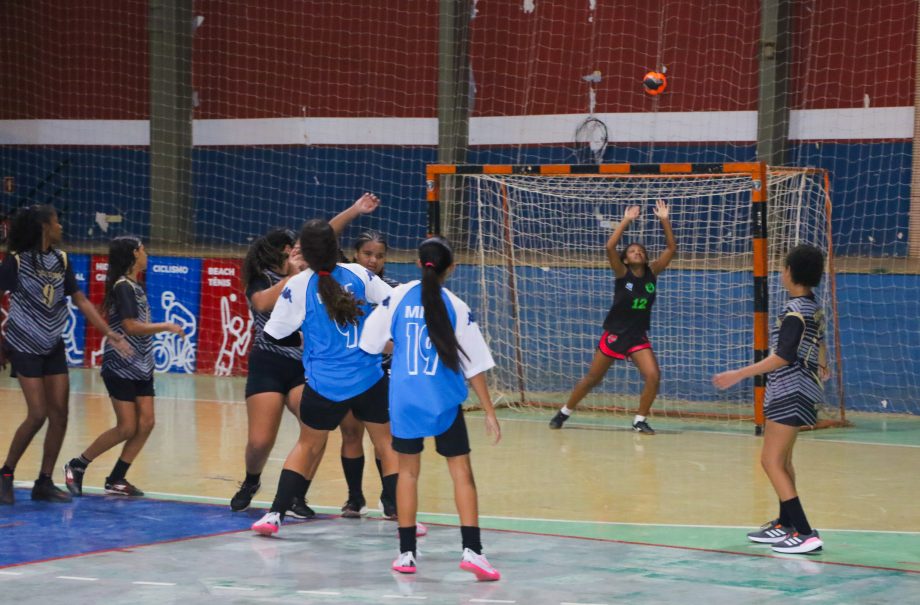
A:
<point x="539" y="276"/>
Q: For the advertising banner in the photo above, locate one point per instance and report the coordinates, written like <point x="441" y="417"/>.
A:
<point x="225" y="330"/>
<point x="174" y="294"/>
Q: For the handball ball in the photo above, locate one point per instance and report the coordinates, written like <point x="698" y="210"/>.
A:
<point x="654" y="82"/>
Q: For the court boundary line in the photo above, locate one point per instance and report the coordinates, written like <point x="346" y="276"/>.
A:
<point x="508" y="531"/>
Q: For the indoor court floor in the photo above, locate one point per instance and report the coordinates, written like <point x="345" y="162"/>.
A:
<point x="591" y="514"/>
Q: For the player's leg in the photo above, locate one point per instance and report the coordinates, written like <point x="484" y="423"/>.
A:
<point x="647" y="364"/>
<point x="778" y="443"/>
<point x="116" y="482"/>
<point x="353" y="465"/>
<point x="57" y="395"/>
<point x="263" y="412"/>
<point x="299" y="508"/>
<point x="124" y="429"/>
<point x="33" y="390"/>
<point x="595" y="375"/>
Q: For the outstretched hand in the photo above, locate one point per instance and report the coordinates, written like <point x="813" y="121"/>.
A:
<point x="367" y="203"/>
<point x="631" y="214"/>
<point x="661" y="210"/>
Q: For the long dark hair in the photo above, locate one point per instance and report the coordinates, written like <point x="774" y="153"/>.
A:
<point x="121" y="258"/>
<point x="266" y="252"/>
<point x="436" y="257"/>
<point x="27" y="227"/>
<point x="320" y="248"/>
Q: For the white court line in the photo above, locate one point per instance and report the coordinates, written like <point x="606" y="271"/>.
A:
<point x="143" y="583"/>
<point x="399" y="596"/>
<point x="215" y="500"/>
<point x="572" y="603"/>
<point x="10" y="573"/>
<point x="243" y="588"/>
<point x="490" y="601"/>
<point x="78" y="578"/>
<point x="320" y="592"/>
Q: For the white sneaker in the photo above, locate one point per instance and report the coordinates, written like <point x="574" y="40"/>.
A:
<point x="798" y="544"/>
<point x="405" y="562"/>
<point x="478" y="565"/>
<point x="420" y="529"/>
<point x="268" y="525"/>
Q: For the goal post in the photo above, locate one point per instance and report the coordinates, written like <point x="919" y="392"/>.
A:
<point x="531" y="238"/>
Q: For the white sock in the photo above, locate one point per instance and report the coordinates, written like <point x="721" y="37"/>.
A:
<point x="638" y="418"/>
<point x="565" y="410"/>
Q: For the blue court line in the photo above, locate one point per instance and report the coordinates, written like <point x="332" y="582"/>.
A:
<point x="38" y="531"/>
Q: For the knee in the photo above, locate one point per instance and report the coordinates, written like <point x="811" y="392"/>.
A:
<point x="145" y="425"/>
<point x="126" y="431"/>
<point x="653" y="377"/>
<point x="261" y="443"/>
<point x="35" y="420"/>
<point x="352" y="434"/>
<point x="592" y="379"/>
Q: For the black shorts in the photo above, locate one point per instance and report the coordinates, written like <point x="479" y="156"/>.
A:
<point x="29" y="365"/>
<point x="127" y="389"/>
<point x="323" y="414"/>
<point x="621" y="346"/>
<point x="272" y="373"/>
<point x="455" y="441"/>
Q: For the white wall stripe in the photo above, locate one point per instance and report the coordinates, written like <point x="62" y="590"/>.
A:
<point x="665" y="127"/>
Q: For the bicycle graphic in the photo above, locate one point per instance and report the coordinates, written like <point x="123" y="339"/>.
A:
<point x="170" y="351"/>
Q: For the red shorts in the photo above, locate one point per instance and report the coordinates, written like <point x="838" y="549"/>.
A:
<point x="623" y="345"/>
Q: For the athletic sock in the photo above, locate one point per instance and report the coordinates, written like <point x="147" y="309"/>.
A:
<point x="565" y="410"/>
<point x="389" y="486"/>
<point x="470" y="537"/>
<point x="80" y="463"/>
<point x="119" y="470"/>
<point x="783" y="518"/>
<point x="379" y="468"/>
<point x="6" y="470"/>
<point x="252" y="478"/>
<point x="290" y="483"/>
<point x="407" y="541"/>
<point x="638" y="419"/>
<point x="796" y="515"/>
<point x="354" y="475"/>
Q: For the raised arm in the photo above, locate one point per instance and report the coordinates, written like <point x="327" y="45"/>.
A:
<point x="365" y="204"/>
<point x="613" y="257"/>
<point x="661" y="263"/>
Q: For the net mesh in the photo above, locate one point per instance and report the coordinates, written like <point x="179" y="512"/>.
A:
<point x="539" y="275"/>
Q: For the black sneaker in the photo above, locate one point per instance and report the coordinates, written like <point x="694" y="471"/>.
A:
<point x="643" y="427"/>
<point x="45" y="490"/>
<point x="354" y="508"/>
<point x="6" y="489"/>
<point x="558" y="420"/>
<point x="388" y="507"/>
<point x="121" y="487"/>
<point x="300" y="510"/>
<point x="73" y="478"/>
<point x="243" y="496"/>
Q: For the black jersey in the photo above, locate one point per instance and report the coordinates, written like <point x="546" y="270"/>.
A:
<point x="633" y="298"/>
<point x="39" y="283"/>
<point x="265" y="281"/>
<point x="130" y="302"/>
<point x="797" y="337"/>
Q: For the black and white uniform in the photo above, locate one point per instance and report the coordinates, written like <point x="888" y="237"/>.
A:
<point x="627" y="323"/>
<point x="39" y="283"/>
<point x="794" y="390"/>
<point x="387" y="362"/>
<point x="273" y="368"/>
<point x="127" y="378"/>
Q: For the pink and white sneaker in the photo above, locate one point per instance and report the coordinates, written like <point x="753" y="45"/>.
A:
<point x="268" y="525"/>
<point x="420" y="529"/>
<point x="479" y="565"/>
<point x="798" y="544"/>
<point x="405" y="562"/>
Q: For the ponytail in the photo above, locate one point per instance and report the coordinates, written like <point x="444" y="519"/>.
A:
<point x="320" y="249"/>
<point x="436" y="257"/>
<point x="121" y="259"/>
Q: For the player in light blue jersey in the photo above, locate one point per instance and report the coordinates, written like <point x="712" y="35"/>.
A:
<point x="328" y="303"/>
<point x="437" y="348"/>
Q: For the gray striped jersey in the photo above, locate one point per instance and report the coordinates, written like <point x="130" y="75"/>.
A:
<point x="38" y="305"/>
<point x="794" y="389"/>
<point x="264" y="282"/>
<point x="129" y="302"/>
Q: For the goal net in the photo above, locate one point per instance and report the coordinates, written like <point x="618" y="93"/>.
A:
<point x="536" y="269"/>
